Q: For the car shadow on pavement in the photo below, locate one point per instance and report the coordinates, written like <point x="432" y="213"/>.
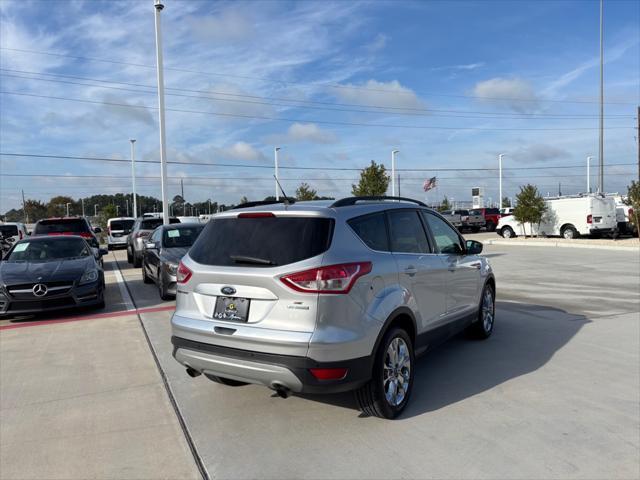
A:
<point x="525" y="338"/>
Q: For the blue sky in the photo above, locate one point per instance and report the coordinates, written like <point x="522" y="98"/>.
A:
<point x="335" y="84"/>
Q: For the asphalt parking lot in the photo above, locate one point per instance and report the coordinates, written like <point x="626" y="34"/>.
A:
<point x="554" y="393"/>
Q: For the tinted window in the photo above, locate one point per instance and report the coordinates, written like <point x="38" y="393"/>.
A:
<point x="492" y="211"/>
<point x="119" y="225"/>
<point x="256" y="242"/>
<point x="8" y="230"/>
<point x="446" y="238"/>
<point x="180" y="237"/>
<point x="62" y="225"/>
<point x="53" y="249"/>
<point x="475" y="212"/>
<point x="372" y="229"/>
<point x="406" y="232"/>
<point x="153" y="223"/>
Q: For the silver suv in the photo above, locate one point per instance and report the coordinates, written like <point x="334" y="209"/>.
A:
<point x="328" y="297"/>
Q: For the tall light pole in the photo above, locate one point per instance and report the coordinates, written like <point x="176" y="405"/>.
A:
<point x="589" y="173"/>
<point x="95" y="210"/>
<point x="68" y="209"/>
<point x="393" y="172"/>
<point x="133" y="176"/>
<point x="500" y="178"/>
<point x="601" y="142"/>
<point x="163" y="144"/>
<point x="275" y="155"/>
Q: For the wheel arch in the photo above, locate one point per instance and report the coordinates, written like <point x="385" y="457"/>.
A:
<point x="401" y="317"/>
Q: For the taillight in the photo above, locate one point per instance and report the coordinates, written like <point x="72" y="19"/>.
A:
<point x="331" y="279"/>
<point x="329" y="373"/>
<point x="108" y="230"/>
<point x="183" y="274"/>
<point x="141" y="234"/>
<point x="256" y="215"/>
<point x="82" y="234"/>
<point x="20" y="234"/>
<point x="589" y="218"/>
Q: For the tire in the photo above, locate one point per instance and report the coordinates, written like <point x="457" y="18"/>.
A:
<point x="162" y="289"/>
<point x="491" y="227"/>
<point x="137" y="261"/>
<point x="129" y="256"/>
<point x="483" y="327"/>
<point x="372" y="398"/>
<point x="145" y="278"/>
<point x="101" y="304"/>
<point x="569" y="232"/>
<point x="225" y="381"/>
<point x="507" y="232"/>
<point x="109" y="247"/>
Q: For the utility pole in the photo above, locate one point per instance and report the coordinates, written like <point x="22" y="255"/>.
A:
<point x="82" y="203"/>
<point x="500" y="176"/>
<point x="601" y="140"/>
<point x="133" y="176"/>
<point x="399" y="191"/>
<point x="163" y="143"/>
<point x="589" y="174"/>
<point x="393" y="172"/>
<point x="68" y="208"/>
<point x="182" y="195"/>
<point x="127" y="204"/>
<point x="638" y="138"/>
<point x="275" y="159"/>
<point x="95" y="210"/>
<point x="24" y="209"/>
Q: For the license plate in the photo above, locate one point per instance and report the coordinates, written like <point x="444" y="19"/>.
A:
<point x="232" y="309"/>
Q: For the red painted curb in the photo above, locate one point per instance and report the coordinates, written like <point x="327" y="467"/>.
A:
<point x="119" y="313"/>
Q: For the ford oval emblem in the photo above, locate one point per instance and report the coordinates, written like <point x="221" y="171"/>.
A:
<point x="228" y="290"/>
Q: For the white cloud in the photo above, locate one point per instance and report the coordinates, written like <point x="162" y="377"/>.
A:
<point x="514" y="93"/>
<point x="465" y="66"/>
<point x="241" y="151"/>
<point x="378" y="43"/>
<point x="538" y="152"/>
<point x="303" y="133"/>
<point x="381" y="94"/>
<point x="227" y="27"/>
<point x="137" y="114"/>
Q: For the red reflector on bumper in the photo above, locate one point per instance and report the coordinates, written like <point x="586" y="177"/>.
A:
<point x="329" y="373"/>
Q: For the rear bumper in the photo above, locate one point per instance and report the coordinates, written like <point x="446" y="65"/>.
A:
<point x="119" y="241"/>
<point x="268" y="369"/>
<point x="593" y="230"/>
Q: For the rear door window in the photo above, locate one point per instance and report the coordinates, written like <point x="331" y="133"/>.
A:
<point x="63" y="225"/>
<point x="8" y="230"/>
<point x="121" y="225"/>
<point x="406" y="232"/>
<point x="372" y="230"/>
<point x="261" y="241"/>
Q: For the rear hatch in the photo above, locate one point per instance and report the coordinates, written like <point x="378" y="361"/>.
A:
<point x="7" y="231"/>
<point x="65" y="226"/>
<point x="602" y="213"/>
<point x="148" y="225"/>
<point x="238" y="263"/>
<point x="120" y="228"/>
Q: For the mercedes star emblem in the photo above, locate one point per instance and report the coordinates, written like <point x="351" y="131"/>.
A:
<point x="39" y="289"/>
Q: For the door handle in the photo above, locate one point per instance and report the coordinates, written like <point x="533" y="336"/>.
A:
<point x="476" y="265"/>
<point x="411" y="270"/>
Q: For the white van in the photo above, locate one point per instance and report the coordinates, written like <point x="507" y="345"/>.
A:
<point x="117" y="230"/>
<point x="568" y="217"/>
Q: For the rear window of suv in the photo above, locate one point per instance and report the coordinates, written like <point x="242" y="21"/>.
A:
<point x="62" y="225"/>
<point x="119" y="225"/>
<point x="9" y="230"/>
<point x="262" y="241"/>
<point x="153" y="223"/>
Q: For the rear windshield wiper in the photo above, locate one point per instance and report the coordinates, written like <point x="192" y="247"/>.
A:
<point x="254" y="260"/>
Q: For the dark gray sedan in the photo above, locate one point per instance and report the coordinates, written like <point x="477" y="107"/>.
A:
<point x="162" y="253"/>
<point x="50" y="273"/>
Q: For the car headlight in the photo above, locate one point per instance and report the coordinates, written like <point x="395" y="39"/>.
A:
<point x="89" y="276"/>
<point x="171" y="268"/>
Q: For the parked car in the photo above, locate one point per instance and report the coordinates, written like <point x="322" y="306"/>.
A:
<point x="117" y="230"/>
<point x="568" y="217"/>
<point x="491" y="217"/>
<point x="504" y="211"/>
<point x="50" y="273"/>
<point x="453" y="218"/>
<point x="473" y="222"/>
<point x="162" y="253"/>
<point x="68" y="226"/>
<point x="15" y="230"/>
<point x="140" y="231"/>
<point x="328" y="297"/>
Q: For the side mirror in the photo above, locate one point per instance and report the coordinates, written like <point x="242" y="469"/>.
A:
<point x="150" y="246"/>
<point x="473" y="247"/>
<point x="97" y="230"/>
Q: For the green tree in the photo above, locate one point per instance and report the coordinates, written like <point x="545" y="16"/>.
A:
<point x="445" y="205"/>
<point x="57" y="206"/>
<point x="374" y="181"/>
<point x="244" y="200"/>
<point x="530" y="207"/>
<point x="110" y="211"/>
<point x="506" y="202"/>
<point x="633" y="200"/>
<point x="304" y="192"/>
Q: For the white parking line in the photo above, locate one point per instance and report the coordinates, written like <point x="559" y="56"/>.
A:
<point x="128" y="302"/>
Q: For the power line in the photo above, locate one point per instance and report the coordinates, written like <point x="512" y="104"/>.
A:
<point x="281" y="82"/>
<point x="270" y="167"/>
<point x="296" y="103"/>
<point x="299" y="120"/>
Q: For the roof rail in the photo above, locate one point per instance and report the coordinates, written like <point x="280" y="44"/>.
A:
<point x="259" y="203"/>
<point x="345" y="202"/>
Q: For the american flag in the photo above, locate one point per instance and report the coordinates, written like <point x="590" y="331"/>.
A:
<point x="429" y="184"/>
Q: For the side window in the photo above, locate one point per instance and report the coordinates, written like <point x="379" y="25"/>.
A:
<point x="446" y="238"/>
<point x="156" y="235"/>
<point x="372" y="230"/>
<point x="406" y="232"/>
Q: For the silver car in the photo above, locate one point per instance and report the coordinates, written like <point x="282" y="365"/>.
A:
<point x="328" y="297"/>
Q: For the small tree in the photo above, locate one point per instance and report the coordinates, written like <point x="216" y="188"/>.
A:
<point x="530" y="207"/>
<point x="506" y="202"/>
<point x="445" y="205"/>
<point x="304" y="192"/>
<point x="374" y="181"/>
<point x="633" y="200"/>
<point x="244" y="200"/>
